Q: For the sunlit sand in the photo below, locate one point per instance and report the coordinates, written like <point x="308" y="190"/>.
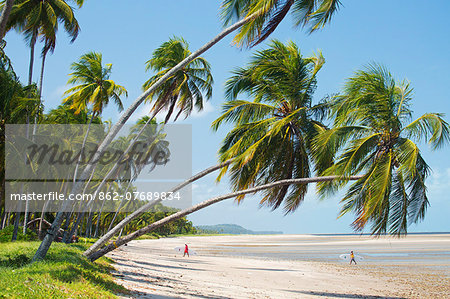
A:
<point x="287" y="266"/>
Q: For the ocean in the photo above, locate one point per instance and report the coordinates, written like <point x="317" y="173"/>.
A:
<point x="428" y="250"/>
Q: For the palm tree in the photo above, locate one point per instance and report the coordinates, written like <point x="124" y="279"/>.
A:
<point x="41" y="17"/>
<point x="270" y="13"/>
<point x="271" y="137"/>
<point x="307" y="63"/>
<point x="46" y="243"/>
<point x="281" y="82"/>
<point x="371" y="136"/>
<point x="17" y="102"/>
<point x="184" y="89"/>
<point x="95" y="87"/>
<point x="6" y="10"/>
<point x="64" y="114"/>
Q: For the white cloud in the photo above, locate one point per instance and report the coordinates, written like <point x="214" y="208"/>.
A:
<point x="207" y="108"/>
<point x="144" y="110"/>
<point x="438" y="184"/>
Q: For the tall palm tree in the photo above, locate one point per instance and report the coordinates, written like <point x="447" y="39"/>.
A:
<point x="373" y="136"/>
<point x="17" y="103"/>
<point x="270" y="13"/>
<point x="184" y="89"/>
<point x="6" y="7"/>
<point x="271" y="137"/>
<point x="41" y="17"/>
<point x="94" y="89"/>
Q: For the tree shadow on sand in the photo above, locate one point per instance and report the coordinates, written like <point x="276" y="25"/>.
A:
<point x="342" y="295"/>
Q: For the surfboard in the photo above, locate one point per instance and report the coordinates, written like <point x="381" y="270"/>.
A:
<point x="181" y="250"/>
<point x="346" y="257"/>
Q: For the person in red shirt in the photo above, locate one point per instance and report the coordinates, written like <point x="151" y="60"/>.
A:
<point x="186" y="250"/>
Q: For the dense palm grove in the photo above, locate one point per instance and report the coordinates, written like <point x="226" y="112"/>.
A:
<point x="282" y="138"/>
<point x="20" y="105"/>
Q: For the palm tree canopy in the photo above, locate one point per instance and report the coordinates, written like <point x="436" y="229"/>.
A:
<point x="271" y="137"/>
<point x="64" y="114"/>
<point x="28" y="16"/>
<point x="373" y="136"/>
<point x="313" y="13"/>
<point x="94" y="84"/>
<point x="187" y="88"/>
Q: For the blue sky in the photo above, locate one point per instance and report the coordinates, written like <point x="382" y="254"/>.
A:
<point x="410" y="37"/>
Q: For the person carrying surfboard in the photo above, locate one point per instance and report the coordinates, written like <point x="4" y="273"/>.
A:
<point x="352" y="257"/>
<point x="186" y="251"/>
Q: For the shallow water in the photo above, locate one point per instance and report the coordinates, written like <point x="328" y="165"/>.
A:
<point x="430" y="251"/>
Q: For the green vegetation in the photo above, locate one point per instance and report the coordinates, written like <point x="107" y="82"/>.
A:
<point x="271" y="137"/>
<point x="279" y="134"/>
<point x="7" y="232"/>
<point x="64" y="274"/>
<point x="373" y="135"/>
<point x="184" y="90"/>
<point x="231" y="229"/>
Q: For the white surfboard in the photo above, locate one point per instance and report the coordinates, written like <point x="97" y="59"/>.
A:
<point x="346" y="257"/>
<point x="181" y="250"/>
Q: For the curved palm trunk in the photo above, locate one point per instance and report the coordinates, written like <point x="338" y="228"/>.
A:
<point x="4" y="17"/>
<point x="68" y="238"/>
<point x="100" y="215"/>
<point x="94" y="256"/>
<point x="46" y="243"/>
<point x="106" y="237"/>
<point x="120" y="204"/>
<point x="108" y="175"/>
<point x="42" y="219"/>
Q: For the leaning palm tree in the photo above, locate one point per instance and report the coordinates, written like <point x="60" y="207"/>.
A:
<point x="314" y="14"/>
<point x="46" y="243"/>
<point x="184" y="89"/>
<point x="271" y="137"/>
<point x="269" y="143"/>
<point x="309" y="67"/>
<point x="372" y="137"/>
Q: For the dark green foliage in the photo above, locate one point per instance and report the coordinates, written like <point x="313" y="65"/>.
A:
<point x="6" y="234"/>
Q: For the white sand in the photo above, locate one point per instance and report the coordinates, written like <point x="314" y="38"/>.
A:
<point x="152" y="269"/>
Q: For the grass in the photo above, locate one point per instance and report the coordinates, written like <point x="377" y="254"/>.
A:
<point x="65" y="273"/>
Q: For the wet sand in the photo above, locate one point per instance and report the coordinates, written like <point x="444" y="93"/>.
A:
<point x="285" y="266"/>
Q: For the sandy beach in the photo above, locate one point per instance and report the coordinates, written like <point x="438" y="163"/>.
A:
<point x="223" y="268"/>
